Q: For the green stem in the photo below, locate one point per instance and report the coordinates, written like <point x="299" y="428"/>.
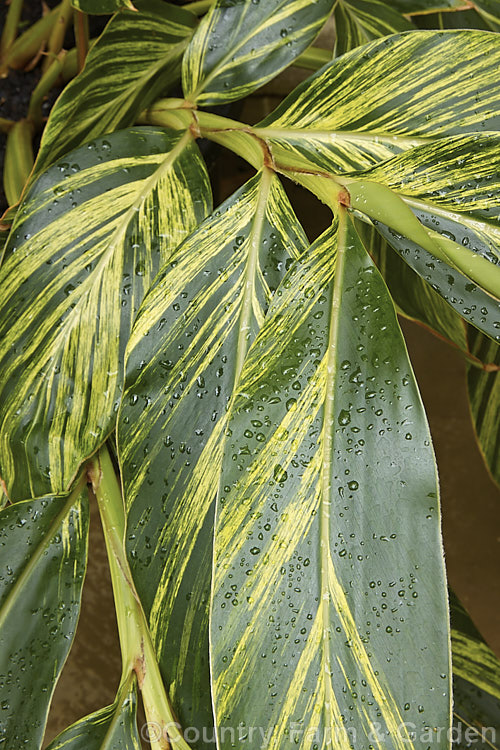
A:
<point x="81" y="26"/>
<point x="28" y="44"/>
<point x="19" y="160"/>
<point x="313" y="58"/>
<point x="199" y="7"/>
<point x="135" y="639"/>
<point x="58" y="32"/>
<point x="46" y="82"/>
<point x="9" y="32"/>
<point x="6" y="125"/>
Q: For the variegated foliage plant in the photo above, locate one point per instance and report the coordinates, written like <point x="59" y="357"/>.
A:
<point x="241" y="400"/>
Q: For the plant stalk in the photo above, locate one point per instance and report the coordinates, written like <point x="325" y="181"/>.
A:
<point x="19" y="160"/>
<point x="29" y="44"/>
<point x="313" y="58"/>
<point x="199" y="7"/>
<point x="58" y="32"/>
<point x="81" y="26"/>
<point x="9" y="32"/>
<point x="137" y="649"/>
<point x="44" y="85"/>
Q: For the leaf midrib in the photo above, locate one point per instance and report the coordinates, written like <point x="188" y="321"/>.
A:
<point x="250" y="272"/>
<point x="327" y="434"/>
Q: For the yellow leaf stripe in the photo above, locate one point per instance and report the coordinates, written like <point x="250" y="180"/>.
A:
<point x="83" y="251"/>
<point x="314" y="603"/>
<point x="240" y="46"/>
<point x="369" y="104"/>
<point x="183" y="359"/>
<point x="137" y="57"/>
<point x="475" y="662"/>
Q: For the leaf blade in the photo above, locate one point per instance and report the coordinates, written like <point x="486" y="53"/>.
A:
<point x="76" y="269"/>
<point x="328" y="124"/>
<point x="240" y="46"/>
<point x="288" y="506"/>
<point x="43" y="559"/>
<point x="137" y="57"/>
<point x="191" y="336"/>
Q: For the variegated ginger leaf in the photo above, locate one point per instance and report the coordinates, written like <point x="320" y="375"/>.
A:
<point x="137" y="57"/>
<point x="239" y="46"/>
<point x="111" y="728"/>
<point x="329" y="576"/>
<point x="103" y="6"/>
<point x="87" y="242"/>
<point x="43" y="557"/>
<point x="360" y="21"/>
<point x="451" y="187"/>
<point x="390" y="95"/>
<point x="476" y="685"/>
<point x="483" y="385"/>
<point x="187" y="349"/>
<point x="414" y="298"/>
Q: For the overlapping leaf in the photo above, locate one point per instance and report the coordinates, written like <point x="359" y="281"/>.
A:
<point x="413" y="297"/>
<point x="484" y="397"/>
<point x="136" y="59"/>
<point x="476" y="685"/>
<point x="184" y="357"/>
<point x="113" y="727"/>
<point x="360" y="21"/>
<point x="451" y="186"/>
<point x="241" y="45"/>
<point x="92" y="234"/>
<point x="386" y="97"/>
<point x="43" y="555"/>
<point x="103" y="6"/>
<point x="329" y="573"/>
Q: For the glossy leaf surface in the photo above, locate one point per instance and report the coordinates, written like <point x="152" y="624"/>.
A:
<point x="136" y="59"/>
<point x="329" y="573"/>
<point x="483" y="387"/>
<point x="370" y="103"/>
<point x="111" y="728"/>
<point x="43" y="556"/>
<point x="90" y="237"/>
<point x="451" y="187"/>
<point x="413" y="297"/>
<point x="186" y="350"/>
<point x="241" y="45"/>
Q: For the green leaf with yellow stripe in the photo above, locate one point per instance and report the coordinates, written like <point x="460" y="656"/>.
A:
<point x="441" y="214"/>
<point x="359" y="21"/>
<point x="329" y="576"/>
<point x="43" y="557"/>
<point x="103" y="7"/>
<point x="184" y="357"/>
<point x="137" y="58"/>
<point x="90" y="237"/>
<point x="414" y="298"/>
<point x="111" y="728"/>
<point x="239" y="46"/>
<point x="476" y="684"/>
<point x="483" y="385"/>
<point x="388" y="96"/>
